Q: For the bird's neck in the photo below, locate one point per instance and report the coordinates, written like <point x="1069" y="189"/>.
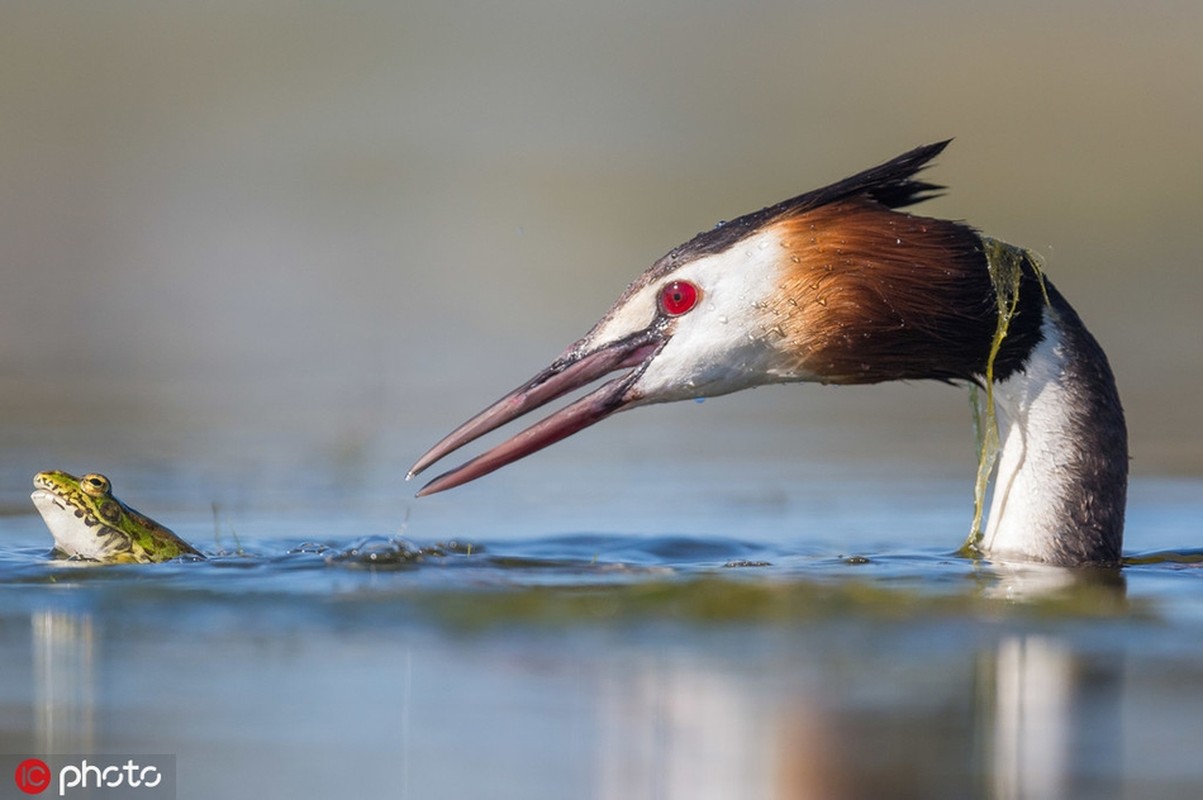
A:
<point x="1061" y="482"/>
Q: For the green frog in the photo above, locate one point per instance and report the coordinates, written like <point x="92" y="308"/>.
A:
<point x="88" y="522"/>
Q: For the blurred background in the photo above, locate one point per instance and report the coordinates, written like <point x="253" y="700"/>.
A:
<point x="289" y="245"/>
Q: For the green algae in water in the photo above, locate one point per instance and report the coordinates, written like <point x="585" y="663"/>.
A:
<point x="1005" y="263"/>
<point x="708" y="600"/>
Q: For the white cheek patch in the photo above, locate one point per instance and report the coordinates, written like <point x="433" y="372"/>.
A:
<point x="730" y="283"/>
<point x="728" y="341"/>
<point x="723" y="345"/>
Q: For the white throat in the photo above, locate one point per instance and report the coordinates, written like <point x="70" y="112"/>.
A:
<point x="71" y="534"/>
<point x="1032" y="409"/>
<point x="1058" y="494"/>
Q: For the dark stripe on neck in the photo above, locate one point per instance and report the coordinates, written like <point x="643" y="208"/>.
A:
<point x="1094" y="508"/>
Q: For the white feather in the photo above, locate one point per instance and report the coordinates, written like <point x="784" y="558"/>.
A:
<point x="724" y="344"/>
<point x="1035" y="435"/>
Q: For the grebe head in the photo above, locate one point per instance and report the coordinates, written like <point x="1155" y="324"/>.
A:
<point x="836" y="286"/>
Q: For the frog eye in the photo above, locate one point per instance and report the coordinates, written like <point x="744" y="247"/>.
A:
<point x="95" y="485"/>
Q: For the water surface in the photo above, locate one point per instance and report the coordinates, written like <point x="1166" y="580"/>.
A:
<point x="313" y="655"/>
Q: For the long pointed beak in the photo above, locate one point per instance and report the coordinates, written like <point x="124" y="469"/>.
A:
<point x="571" y="371"/>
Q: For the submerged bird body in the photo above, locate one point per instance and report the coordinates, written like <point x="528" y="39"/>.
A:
<point x="839" y="286"/>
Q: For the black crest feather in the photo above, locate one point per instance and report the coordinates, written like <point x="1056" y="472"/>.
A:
<point x="891" y="184"/>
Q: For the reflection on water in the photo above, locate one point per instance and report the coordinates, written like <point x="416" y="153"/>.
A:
<point x="674" y="729"/>
<point x="1056" y="728"/>
<point x="64" y="667"/>
<point x="1046" y="723"/>
<point x="815" y="679"/>
<point x="1030" y="737"/>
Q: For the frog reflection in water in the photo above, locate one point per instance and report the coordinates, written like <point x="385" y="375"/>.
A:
<point x="89" y="523"/>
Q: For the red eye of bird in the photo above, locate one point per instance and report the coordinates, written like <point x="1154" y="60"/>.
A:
<point x="678" y="297"/>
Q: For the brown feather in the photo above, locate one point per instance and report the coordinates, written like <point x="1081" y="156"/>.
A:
<point x="871" y="294"/>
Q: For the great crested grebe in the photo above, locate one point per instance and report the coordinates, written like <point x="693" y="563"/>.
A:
<point x="837" y="286"/>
